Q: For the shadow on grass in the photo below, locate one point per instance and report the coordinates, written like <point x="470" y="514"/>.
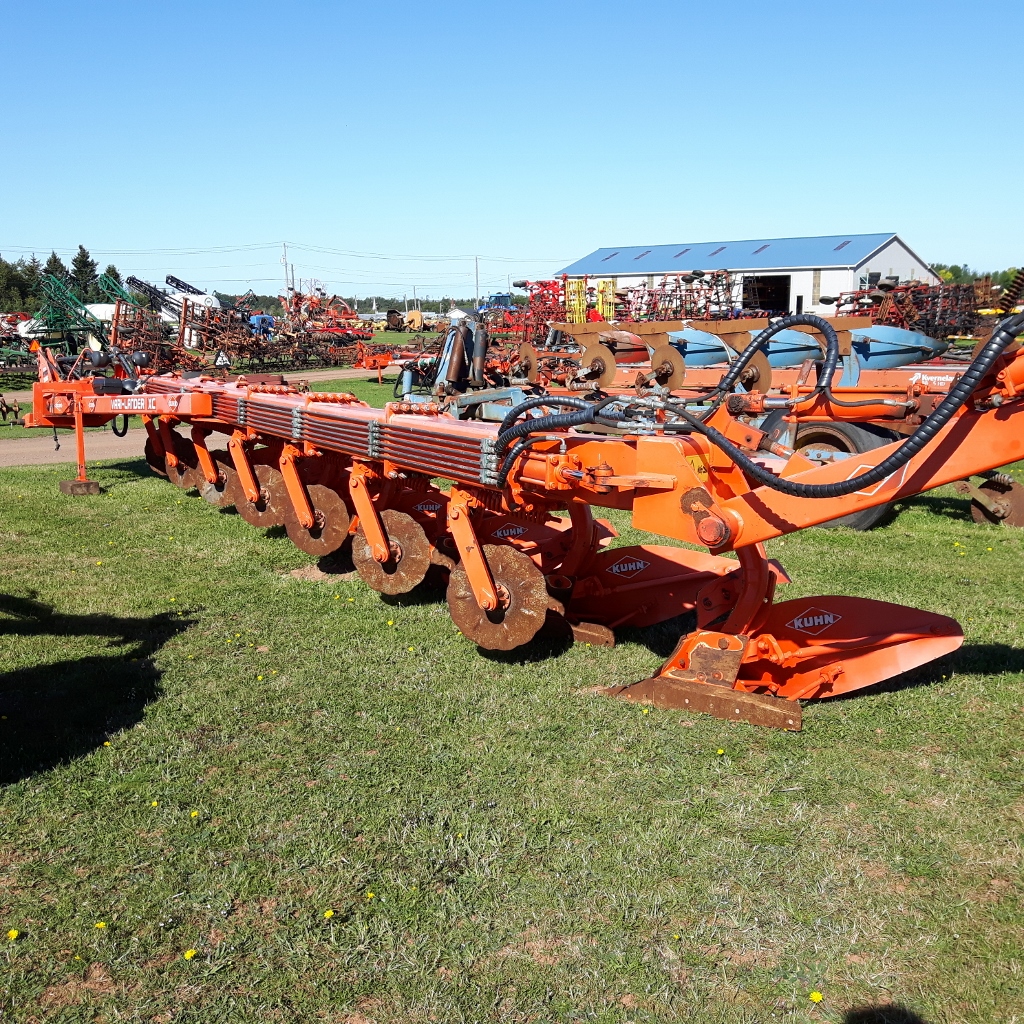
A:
<point x="884" y="1013"/>
<point x="945" y="506"/>
<point x="62" y="710"/>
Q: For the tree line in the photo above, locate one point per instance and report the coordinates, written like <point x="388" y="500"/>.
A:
<point x="21" y="288"/>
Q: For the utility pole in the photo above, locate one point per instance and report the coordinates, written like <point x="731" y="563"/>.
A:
<point x="476" y="262"/>
<point x="414" y="306"/>
<point x="284" y="261"/>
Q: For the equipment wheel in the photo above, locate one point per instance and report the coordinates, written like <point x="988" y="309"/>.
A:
<point x="330" y="526"/>
<point x="853" y="438"/>
<point x="183" y="474"/>
<point x="410" y="555"/>
<point x="266" y="511"/>
<point x="524" y="596"/>
<point x="1011" y="496"/>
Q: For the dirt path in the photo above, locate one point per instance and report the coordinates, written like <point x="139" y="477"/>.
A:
<point x="38" y="451"/>
<point x="311" y="375"/>
<point x="99" y="445"/>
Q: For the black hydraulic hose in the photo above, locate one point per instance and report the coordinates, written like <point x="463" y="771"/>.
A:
<point x="1001" y="338"/>
<point x="544" y="424"/>
<point x="510" y="459"/>
<point x="532" y="403"/>
<point x="123" y="431"/>
<point x="725" y="385"/>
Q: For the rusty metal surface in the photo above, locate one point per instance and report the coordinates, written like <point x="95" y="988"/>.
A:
<point x="218" y="493"/>
<point x="675" y="692"/>
<point x="1005" y="503"/>
<point x="521" y="586"/>
<point x="410" y="555"/>
<point x="267" y="511"/>
<point x="330" y="526"/>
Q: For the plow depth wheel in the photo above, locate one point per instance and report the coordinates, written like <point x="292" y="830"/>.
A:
<point x="410" y="555"/>
<point x="331" y="521"/>
<point x="522" y="590"/>
<point x="1010" y="497"/>
<point x="267" y="510"/>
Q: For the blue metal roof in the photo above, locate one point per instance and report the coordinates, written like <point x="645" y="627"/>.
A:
<point x="749" y="254"/>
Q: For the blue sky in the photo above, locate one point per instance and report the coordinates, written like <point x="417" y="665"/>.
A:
<point x="193" y="138"/>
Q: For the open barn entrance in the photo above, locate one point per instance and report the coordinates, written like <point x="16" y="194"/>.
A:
<point x="769" y="292"/>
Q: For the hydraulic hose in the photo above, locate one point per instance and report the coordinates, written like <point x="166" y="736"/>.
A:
<point x="532" y="403"/>
<point x="510" y="459"/>
<point x="123" y="430"/>
<point x="1001" y="338"/>
<point x="544" y="424"/>
<point x="725" y="385"/>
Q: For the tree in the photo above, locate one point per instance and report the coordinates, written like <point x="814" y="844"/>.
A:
<point x="113" y="273"/>
<point x="55" y="265"/>
<point x="84" y="276"/>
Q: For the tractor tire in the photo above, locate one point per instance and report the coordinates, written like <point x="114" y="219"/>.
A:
<point x="852" y="438"/>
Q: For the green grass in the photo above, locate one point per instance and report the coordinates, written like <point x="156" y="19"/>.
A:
<point x="495" y="842"/>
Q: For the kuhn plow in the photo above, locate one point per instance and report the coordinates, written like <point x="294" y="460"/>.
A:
<point x="516" y="535"/>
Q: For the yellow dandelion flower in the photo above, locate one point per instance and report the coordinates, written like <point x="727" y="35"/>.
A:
<point x="328" y="914"/>
<point x="100" y="924"/>
<point x="391" y="622"/>
<point x="815" y="997"/>
<point x="155" y="803"/>
<point x="173" y="599"/>
<point x="259" y="679"/>
<point x="351" y="599"/>
<point x="99" y="563"/>
<point x="369" y="895"/>
<point x="675" y="936"/>
<point x="412" y="648"/>
<point x="13" y="934"/>
<point x="647" y="711"/>
<point x="337" y="597"/>
<point x="189" y="953"/>
<point x="106" y="743"/>
<point x="195" y="814"/>
<point x="720" y="751"/>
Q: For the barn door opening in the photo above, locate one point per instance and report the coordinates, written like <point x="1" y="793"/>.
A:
<point x="768" y="292"/>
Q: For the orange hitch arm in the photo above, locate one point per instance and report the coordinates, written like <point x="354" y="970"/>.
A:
<point x="293" y="484"/>
<point x="461" y="526"/>
<point x="373" y="528"/>
<point x="241" y="460"/>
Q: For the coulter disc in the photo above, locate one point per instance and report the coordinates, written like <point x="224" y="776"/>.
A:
<point x="266" y="511"/>
<point x="410" y="555"/>
<point x="520" y="583"/>
<point x="218" y="493"/>
<point x="1010" y="496"/>
<point x="528" y="360"/>
<point x="758" y="374"/>
<point x="330" y="528"/>
<point x="668" y="367"/>
<point x="156" y="463"/>
<point x="599" y="360"/>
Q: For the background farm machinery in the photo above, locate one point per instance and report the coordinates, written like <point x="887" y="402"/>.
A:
<point x="515" y="535"/>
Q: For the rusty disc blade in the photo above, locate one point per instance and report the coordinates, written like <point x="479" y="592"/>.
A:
<point x="218" y="493"/>
<point x="668" y="367"/>
<point x="1011" y="498"/>
<point x="528" y="360"/>
<point x="156" y="462"/>
<point x="263" y="512"/>
<point x="517" y="579"/>
<point x="598" y="361"/>
<point x="183" y="474"/>
<point x="410" y="555"/>
<point x="331" y="522"/>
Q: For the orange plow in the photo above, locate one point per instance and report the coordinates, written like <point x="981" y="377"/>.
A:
<point x="515" y="535"/>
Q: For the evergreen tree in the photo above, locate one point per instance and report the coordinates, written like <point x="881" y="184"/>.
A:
<point x="55" y="265"/>
<point x="113" y="273"/>
<point x="84" y="276"/>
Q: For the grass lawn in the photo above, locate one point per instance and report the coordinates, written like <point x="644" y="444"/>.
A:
<point x="350" y="814"/>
